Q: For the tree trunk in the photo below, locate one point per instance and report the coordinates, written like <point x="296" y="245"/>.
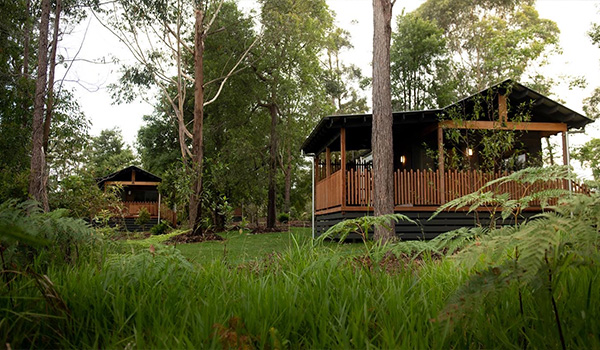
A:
<point x="271" y="204"/>
<point x="288" y="182"/>
<point x="52" y="60"/>
<point x="382" y="139"/>
<point x="37" y="187"/>
<point x="197" y="150"/>
<point x="550" y="148"/>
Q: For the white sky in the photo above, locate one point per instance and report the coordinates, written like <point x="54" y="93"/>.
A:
<point x="574" y="18"/>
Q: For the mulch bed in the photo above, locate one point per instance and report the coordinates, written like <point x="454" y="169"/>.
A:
<point x="188" y="238"/>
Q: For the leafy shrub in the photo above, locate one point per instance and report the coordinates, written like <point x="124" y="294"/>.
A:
<point x="283" y="218"/>
<point x="84" y="199"/>
<point x="160" y="228"/>
<point x="143" y="217"/>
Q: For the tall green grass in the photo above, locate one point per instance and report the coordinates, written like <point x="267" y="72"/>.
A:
<point x="305" y="297"/>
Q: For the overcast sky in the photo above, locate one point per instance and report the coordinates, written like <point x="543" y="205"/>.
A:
<point x="574" y="18"/>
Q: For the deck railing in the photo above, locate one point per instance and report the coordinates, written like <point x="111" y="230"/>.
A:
<point x="329" y="192"/>
<point x="421" y="187"/>
<point x="131" y="209"/>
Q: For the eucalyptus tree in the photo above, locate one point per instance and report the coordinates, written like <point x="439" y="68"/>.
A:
<point x="589" y="153"/>
<point x="37" y="187"/>
<point x="342" y="81"/>
<point x="420" y="64"/>
<point x="381" y="133"/>
<point x="491" y="40"/>
<point x="27" y="103"/>
<point x="108" y="153"/>
<point x="591" y="104"/>
<point x="288" y="67"/>
<point x="161" y="37"/>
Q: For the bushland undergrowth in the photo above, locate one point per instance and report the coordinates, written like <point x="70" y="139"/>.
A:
<point x="499" y="288"/>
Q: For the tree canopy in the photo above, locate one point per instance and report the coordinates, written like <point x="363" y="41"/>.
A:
<point x="491" y="40"/>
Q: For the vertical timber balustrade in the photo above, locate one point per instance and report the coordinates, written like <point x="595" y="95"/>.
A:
<point x="442" y="187"/>
<point x="343" y="165"/>
<point x="327" y="162"/>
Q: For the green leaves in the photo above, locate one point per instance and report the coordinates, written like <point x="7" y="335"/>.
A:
<point x="109" y="153"/>
<point x="30" y="236"/>
<point x="490" y="40"/>
<point x="419" y="65"/>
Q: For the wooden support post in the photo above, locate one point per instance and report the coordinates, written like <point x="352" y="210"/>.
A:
<point x="343" y="165"/>
<point x="133" y="177"/>
<point x="502" y="109"/>
<point x="316" y="165"/>
<point x="327" y="162"/>
<point x="159" y="207"/>
<point x="442" y="186"/>
<point x="565" y="148"/>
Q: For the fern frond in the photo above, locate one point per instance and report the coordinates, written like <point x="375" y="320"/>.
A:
<point x="362" y="226"/>
<point x="534" y="174"/>
<point x="473" y="201"/>
<point x="452" y="241"/>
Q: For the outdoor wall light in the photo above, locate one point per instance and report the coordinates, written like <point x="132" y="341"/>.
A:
<point x="469" y="152"/>
<point x="403" y="159"/>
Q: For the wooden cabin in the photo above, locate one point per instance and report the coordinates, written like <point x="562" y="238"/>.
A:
<point x="425" y="176"/>
<point x="139" y="190"/>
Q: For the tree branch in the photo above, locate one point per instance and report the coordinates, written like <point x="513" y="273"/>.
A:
<point x="233" y="70"/>
<point x="212" y="20"/>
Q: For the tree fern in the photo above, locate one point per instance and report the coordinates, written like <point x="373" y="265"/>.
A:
<point x="529" y="255"/>
<point x="26" y="232"/>
<point x="363" y="226"/>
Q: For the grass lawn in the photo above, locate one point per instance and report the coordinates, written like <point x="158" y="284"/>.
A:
<point x="241" y="247"/>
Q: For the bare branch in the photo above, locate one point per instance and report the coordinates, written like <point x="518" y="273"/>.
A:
<point x="185" y="46"/>
<point x="212" y="20"/>
<point x="233" y="70"/>
<point x="76" y="54"/>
